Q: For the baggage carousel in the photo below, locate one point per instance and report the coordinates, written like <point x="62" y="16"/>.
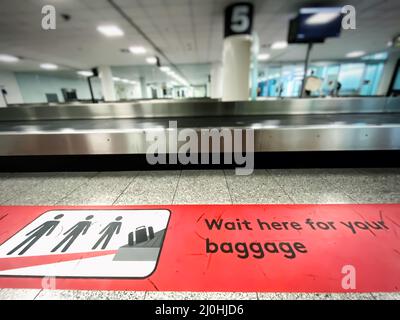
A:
<point x="279" y="126"/>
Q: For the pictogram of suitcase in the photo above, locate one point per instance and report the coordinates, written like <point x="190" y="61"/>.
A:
<point x="151" y="233"/>
<point x="141" y="234"/>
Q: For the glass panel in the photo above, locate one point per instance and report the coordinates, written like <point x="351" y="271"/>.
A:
<point x="377" y="78"/>
<point x="396" y="84"/>
<point x="273" y="81"/>
<point x="62" y="86"/>
<point x="371" y="79"/>
<point x="350" y="76"/>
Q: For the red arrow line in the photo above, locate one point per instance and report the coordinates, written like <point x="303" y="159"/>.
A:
<point x="21" y="262"/>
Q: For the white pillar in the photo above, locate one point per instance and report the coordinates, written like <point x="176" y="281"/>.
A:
<point x="216" y="81"/>
<point x="143" y="88"/>
<point x="236" y="68"/>
<point x="107" y="84"/>
<point x="255" y="49"/>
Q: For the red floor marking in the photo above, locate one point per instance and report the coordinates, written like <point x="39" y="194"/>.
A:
<point x="364" y="237"/>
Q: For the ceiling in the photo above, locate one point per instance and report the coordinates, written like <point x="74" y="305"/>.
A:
<point x="197" y="73"/>
<point x="187" y="31"/>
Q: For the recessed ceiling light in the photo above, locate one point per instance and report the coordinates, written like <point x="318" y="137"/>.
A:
<point x="322" y="18"/>
<point x="8" y="58"/>
<point x="85" y="73"/>
<point x="278" y="45"/>
<point x="151" y="60"/>
<point x="125" y="80"/>
<point x="49" y="66"/>
<point x="355" y="54"/>
<point x="116" y="79"/>
<point x="110" y="31"/>
<point x="137" y="50"/>
<point x="263" y="56"/>
<point x="389" y="43"/>
<point x="165" y="69"/>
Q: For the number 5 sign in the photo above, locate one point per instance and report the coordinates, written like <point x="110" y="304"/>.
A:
<point x="238" y="19"/>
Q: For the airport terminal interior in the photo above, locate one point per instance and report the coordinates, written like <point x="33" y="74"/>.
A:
<point x="177" y="127"/>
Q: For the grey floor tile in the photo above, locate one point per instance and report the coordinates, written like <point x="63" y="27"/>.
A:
<point x="4" y="176"/>
<point x="364" y="182"/>
<point x="376" y="197"/>
<point x="151" y="187"/>
<point x="208" y="187"/>
<point x="18" y="294"/>
<point x="260" y="187"/>
<point x="339" y="171"/>
<point x="102" y="189"/>
<point x="381" y="171"/>
<point x="303" y="181"/>
<point x="320" y="197"/>
<point x="158" y="295"/>
<point x="16" y="184"/>
<point x="50" y="188"/>
<point x="89" y="295"/>
<point x="351" y="296"/>
<point x="314" y="296"/>
<point x="386" y="295"/>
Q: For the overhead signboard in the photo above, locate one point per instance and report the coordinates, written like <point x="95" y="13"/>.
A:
<point x="314" y="25"/>
<point x="285" y="248"/>
<point x="238" y="19"/>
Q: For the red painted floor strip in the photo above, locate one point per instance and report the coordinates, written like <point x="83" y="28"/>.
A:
<point x="261" y="248"/>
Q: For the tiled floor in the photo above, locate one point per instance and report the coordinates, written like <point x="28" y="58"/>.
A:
<point x="207" y="187"/>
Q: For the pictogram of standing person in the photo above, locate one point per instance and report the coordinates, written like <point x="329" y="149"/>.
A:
<point x="44" y="229"/>
<point x="80" y="228"/>
<point x="108" y="232"/>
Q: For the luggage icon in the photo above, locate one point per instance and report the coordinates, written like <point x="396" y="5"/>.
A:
<point x="142" y="234"/>
<point x="143" y="245"/>
<point x="151" y="233"/>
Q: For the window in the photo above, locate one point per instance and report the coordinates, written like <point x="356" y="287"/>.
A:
<point x="350" y="76"/>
